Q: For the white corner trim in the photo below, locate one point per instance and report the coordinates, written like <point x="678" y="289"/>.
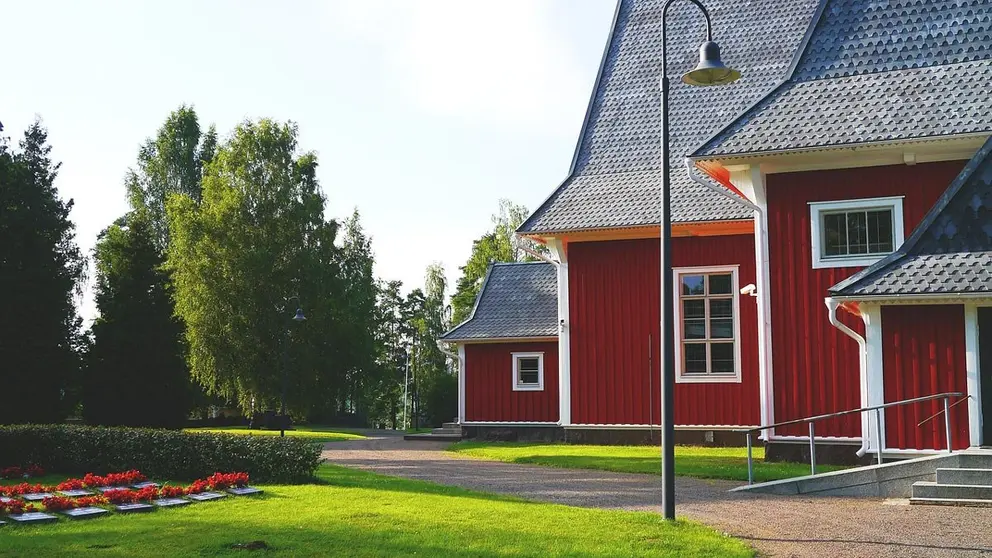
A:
<point x="751" y="181"/>
<point x="461" y="383"/>
<point x="564" y="336"/>
<point x="540" y="372"/>
<point x="681" y="378"/>
<point x="972" y="363"/>
<point x="874" y="373"/>
<point x="815" y="227"/>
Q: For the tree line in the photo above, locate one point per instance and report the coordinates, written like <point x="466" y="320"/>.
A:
<point x="197" y="286"/>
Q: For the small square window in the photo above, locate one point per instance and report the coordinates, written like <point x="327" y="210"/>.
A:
<point x="855" y="233"/>
<point x="528" y="371"/>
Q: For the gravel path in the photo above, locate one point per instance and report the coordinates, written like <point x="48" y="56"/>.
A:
<point x="776" y="526"/>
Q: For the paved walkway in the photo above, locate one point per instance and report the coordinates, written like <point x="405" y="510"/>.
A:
<point x="776" y="526"/>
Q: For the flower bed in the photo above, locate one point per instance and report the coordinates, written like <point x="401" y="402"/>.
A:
<point x="118" y="496"/>
<point x="16" y="472"/>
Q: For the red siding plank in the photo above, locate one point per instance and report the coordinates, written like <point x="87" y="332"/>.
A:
<point x="923" y="352"/>
<point x="489" y="394"/>
<point x="815" y="366"/>
<point x="614" y="307"/>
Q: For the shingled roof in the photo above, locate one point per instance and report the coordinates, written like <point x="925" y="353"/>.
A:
<point x="615" y="173"/>
<point x="516" y="301"/>
<point x="950" y="252"/>
<point x="876" y="72"/>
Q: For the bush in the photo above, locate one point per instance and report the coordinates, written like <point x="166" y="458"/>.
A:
<point x="162" y="454"/>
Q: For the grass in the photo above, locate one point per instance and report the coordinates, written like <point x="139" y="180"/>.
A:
<point x="315" y="433"/>
<point x="690" y="461"/>
<point x="356" y="513"/>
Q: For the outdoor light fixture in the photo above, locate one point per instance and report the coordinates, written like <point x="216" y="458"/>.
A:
<point x="709" y="71"/>
<point x="299" y="317"/>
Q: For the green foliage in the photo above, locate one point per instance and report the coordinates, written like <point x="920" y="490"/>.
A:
<point x="690" y="461"/>
<point x="256" y="240"/>
<point x="136" y="374"/>
<point x="494" y="246"/>
<point x="356" y="513"/>
<point x="162" y="454"/>
<point x="41" y="273"/>
<point x="312" y="433"/>
<point x="429" y="318"/>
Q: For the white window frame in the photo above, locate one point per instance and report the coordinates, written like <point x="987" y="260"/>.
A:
<point x="680" y="376"/>
<point x="539" y="386"/>
<point x="818" y="209"/>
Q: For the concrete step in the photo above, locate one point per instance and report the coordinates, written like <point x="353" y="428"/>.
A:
<point x="451" y="425"/>
<point x="434" y="437"/>
<point x="951" y="502"/>
<point x="927" y="489"/>
<point x="974" y="477"/>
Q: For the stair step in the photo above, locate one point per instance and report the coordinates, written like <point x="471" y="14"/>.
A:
<point x="434" y="437"/>
<point x="451" y="425"/>
<point x="974" y="477"/>
<point x="927" y="489"/>
<point x="970" y="502"/>
<point x="449" y="431"/>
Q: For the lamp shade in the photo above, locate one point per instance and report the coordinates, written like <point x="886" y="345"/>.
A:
<point x="710" y="70"/>
<point x="299" y="317"/>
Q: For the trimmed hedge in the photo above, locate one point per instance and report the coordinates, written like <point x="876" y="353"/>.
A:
<point x="161" y="454"/>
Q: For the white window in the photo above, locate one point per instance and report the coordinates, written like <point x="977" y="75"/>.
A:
<point x="707" y="325"/>
<point x="855" y="233"/>
<point x="528" y="371"/>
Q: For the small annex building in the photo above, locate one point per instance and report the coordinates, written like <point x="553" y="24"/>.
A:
<point x="828" y="218"/>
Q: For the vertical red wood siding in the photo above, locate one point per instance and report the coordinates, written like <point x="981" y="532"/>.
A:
<point x="923" y="352"/>
<point x="489" y="394"/>
<point x="815" y="366"/>
<point x="614" y="306"/>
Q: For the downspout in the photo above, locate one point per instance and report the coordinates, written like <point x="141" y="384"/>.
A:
<point x="519" y="244"/>
<point x="862" y="361"/>
<point x="446" y="352"/>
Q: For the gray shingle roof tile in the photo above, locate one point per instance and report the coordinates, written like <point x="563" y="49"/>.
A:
<point x="517" y="300"/>
<point x="615" y="176"/>
<point x="876" y="71"/>
<point x="950" y="252"/>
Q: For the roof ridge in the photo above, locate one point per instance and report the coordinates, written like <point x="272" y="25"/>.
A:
<point x="895" y="70"/>
<point x="495" y="264"/>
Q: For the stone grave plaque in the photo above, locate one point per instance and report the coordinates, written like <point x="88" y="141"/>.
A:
<point x="75" y="493"/>
<point x="170" y="502"/>
<point x="4" y="499"/>
<point x="244" y="490"/>
<point x="206" y="496"/>
<point x="37" y="496"/>
<point x="134" y="508"/>
<point x="85" y="513"/>
<point x="2" y="523"/>
<point x="34" y="517"/>
<point x="109" y="488"/>
<point x="146" y="484"/>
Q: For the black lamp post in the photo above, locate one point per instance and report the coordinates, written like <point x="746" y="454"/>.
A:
<point x="709" y="71"/>
<point x="299" y="317"/>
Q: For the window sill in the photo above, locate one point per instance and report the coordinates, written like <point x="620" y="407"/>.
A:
<point x="528" y="388"/>
<point x="861" y="261"/>
<point x="708" y="379"/>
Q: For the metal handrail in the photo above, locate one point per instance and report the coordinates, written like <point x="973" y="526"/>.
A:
<point x="940" y="412"/>
<point x="878" y="427"/>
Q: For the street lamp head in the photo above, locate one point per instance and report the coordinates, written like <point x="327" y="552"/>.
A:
<point x="299" y="317"/>
<point x="710" y="70"/>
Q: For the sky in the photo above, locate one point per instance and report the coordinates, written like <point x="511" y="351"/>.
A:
<point x="423" y="113"/>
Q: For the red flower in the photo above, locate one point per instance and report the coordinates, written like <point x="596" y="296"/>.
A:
<point x="220" y="481"/>
<point x="172" y="491"/>
<point x="70" y="484"/>
<point x="34" y="471"/>
<point x="58" y="503"/>
<point x="94" y="481"/>
<point x="198" y="486"/>
<point x="11" y="473"/>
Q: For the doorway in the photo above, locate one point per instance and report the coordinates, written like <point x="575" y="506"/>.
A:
<point x="985" y="371"/>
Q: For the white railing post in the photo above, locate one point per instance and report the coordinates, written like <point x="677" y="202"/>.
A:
<point x="812" y="450"/>
<point x="878" y="434"/>
<point x="947" y="424"/>
<point x="750" y="462"/>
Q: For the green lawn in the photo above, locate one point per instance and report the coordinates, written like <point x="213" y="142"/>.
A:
<point x="315" y="433"/>
<point x="690" y="461"/>
<point x="355" y="513"/>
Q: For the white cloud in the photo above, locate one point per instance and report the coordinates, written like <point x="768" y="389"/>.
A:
<point x="501" y="61"/>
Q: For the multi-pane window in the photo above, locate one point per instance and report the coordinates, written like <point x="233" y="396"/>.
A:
<point x="855" y="233"/>
<point x="708" y="324"/>
<point x="858" y="232"/>
<point x="528" y="371"/>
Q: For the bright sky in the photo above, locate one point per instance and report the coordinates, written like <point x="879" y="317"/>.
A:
<point x="423" y="113"/>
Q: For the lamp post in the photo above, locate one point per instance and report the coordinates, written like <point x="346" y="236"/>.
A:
<point x="709" y="71"/>
<point x="299" y="317"/>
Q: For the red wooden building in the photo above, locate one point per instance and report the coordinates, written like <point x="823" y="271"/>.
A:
<point x="833" y="244"/>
